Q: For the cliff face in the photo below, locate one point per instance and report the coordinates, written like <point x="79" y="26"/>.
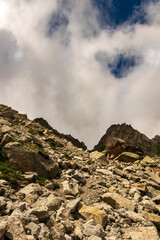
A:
<point x="132" y="137"/>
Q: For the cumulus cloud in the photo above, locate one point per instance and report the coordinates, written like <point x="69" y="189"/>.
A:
<point x="54" y="63"/>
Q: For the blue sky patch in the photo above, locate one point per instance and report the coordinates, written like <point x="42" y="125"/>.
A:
<point x="113" y="13"/>
<point x="58" y="20"/>
<point x="122" y="65"/>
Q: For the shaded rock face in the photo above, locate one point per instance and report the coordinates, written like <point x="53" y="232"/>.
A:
<point x="25" y="159"/>
<point x="135" y="140"/>
<point x="114" y="148"/>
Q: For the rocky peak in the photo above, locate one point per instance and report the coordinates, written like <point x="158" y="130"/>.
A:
<point x="132" y="136"/>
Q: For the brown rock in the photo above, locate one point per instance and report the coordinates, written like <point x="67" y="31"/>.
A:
<point x="99" y="216"/>
<point x="114" y="147"/>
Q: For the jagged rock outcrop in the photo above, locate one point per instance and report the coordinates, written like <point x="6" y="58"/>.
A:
<point x="133" y="138"/>
<point x="73" y="140"/>
<point x="90" y="197"/>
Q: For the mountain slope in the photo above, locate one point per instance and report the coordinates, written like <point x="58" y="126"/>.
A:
<point x="52" y="190"/>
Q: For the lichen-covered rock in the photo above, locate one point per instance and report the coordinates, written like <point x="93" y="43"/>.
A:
<point x="25" y="159"/>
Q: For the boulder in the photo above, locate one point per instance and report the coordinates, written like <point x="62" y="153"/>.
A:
<point x="153" y="218"/>
<point x="127" y="157"/>
<point x="148" y="161"/>
<point x="30" y="193"/>
<point x="3" y="227"/>
<point x="91" y="229"/>
<point x="97" y="156"/>
<point x="51" y="203"/>
<point x="117" y="201"/>
<point x="15" y="229"/>
<point x="141" y="233"/>
<point x="25" y="159"/>
<point x="99" y="216"/>
<point x="6" y="139"/>
<point x="33" y="229"/>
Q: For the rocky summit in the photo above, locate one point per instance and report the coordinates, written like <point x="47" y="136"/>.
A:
<point x="53" y="188"/>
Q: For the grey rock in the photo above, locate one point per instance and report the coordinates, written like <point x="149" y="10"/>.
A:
<point x="3" y="227"/>
<point x="117" y="201"/>
<point x="135" y="217"/>
<point x="79" y="177"/>
<point x="41" y="213"/>
<point x="6" y="139"/>
<point x="90" y="228"/>
<point x="33" y="229"/>
<point x="72" y="205"/>
<point x="94" y="238"/>
<point x="66" y="188"/>
<point x="3" y="203"/>
<point x="26" y="159"/>
<point x="44" y="233"/>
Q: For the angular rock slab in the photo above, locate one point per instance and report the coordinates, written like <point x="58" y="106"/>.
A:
<point x="99" y="216"/>
<point x="117" y="201"/>
<point x="127" y="157"/>
<point x="141" y="233"/>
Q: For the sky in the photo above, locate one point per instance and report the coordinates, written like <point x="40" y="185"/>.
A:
<point x="82" y="65"/>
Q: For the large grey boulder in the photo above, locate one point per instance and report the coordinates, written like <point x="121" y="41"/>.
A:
<point x="25" y="159"/>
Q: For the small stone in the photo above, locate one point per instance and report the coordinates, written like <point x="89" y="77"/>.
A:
<point x="94" y="238"/>
<point x="33" y="229"/>
<point x="90" y="228"/>
<point x="72" y="205"/>
<point x="135" y="217"/>
<point x="3" y="203"/>
<point x="79" y="232"/>
<point x="79" y="177"/>
<point x="66" y="188"/>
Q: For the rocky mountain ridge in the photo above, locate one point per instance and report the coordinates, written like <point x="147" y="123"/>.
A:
<point x="50" y="189"/>
<point x="133" y="137"/>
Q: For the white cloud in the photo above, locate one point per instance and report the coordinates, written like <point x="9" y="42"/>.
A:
<point x="63" y="82"/>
